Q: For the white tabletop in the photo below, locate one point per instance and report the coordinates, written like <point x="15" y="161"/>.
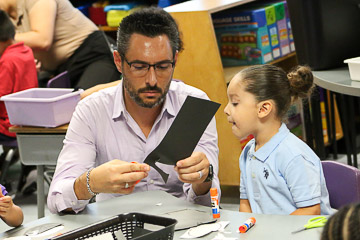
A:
<point x="157" y="202"/>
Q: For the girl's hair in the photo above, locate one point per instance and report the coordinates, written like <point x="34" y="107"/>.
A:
<point x="270" y="82"/>
<point x="343" y="225"/>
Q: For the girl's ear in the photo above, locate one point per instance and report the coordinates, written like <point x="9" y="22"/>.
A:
<point x="265" y="108"/>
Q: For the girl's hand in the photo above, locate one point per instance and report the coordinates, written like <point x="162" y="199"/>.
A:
<point x="6" y="205"/>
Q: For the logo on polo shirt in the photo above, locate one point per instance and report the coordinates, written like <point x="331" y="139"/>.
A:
<point x="266" y="173"/>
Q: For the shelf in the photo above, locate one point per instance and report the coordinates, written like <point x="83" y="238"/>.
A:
<point x="200" y="65"/>
<point x="108" y="29"/>
<point x="210" y="6"/>
<point x="229" y="72"/>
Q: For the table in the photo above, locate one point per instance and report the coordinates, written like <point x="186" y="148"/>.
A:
<point x="267" y="226"/>
<point x="39" y="146"/>
<point x="338" y="81"/>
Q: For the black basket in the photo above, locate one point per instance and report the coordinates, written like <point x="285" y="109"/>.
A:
<point x="131" y="225"/>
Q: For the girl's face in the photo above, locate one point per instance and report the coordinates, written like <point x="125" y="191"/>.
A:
<point x="241" y="110"/>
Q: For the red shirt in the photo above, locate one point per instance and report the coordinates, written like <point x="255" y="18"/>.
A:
<point x="17" y="73"/>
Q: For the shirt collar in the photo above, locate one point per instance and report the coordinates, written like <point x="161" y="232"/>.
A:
<point x="264" y="152"/>
<point x="119" y="104"/>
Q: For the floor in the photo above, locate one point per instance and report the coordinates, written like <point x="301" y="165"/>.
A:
<point x="229" y="199"/>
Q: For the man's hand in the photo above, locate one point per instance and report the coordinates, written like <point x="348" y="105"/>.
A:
<point x="115" y="176"/>
<point x="189" y="172"/>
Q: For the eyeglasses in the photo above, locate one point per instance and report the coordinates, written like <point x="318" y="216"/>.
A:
<point x="140" y="69"/>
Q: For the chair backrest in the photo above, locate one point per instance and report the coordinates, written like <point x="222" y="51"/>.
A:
<point x="342" y="182"/>
<point x="61" y="80"/>
<point x="8" y="156"/>
<point x="9" y="143"/>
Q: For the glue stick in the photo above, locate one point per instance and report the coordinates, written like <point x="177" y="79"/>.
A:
<point x="247" y="225"/>
<point x="215" y="202"/>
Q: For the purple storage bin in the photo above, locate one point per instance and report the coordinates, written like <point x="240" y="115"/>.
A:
<point x="42" y="107"/>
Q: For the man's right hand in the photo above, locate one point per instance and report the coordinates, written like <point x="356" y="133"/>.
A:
<point x="115" y="176"/>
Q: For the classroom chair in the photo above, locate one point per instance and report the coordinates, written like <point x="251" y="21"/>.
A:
<point x="61" y="80"/>
<point x="10" y="149"/>
<point x="343" y="183"/>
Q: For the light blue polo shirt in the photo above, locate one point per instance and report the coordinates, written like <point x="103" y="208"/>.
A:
<point x="283" y="175"/>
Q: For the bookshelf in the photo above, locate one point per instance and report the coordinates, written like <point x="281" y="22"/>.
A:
<point x="200" y="65"/>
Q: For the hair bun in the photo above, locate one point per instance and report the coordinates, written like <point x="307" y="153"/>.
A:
<point x="301" y="81"/>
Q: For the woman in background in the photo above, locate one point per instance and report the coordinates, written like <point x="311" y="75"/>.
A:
<point x="63" y="39"/>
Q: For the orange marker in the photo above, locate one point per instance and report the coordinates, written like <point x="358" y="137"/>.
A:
<point x="247" y="225"/>
<point x="137" y="180"/>
<point x="215" y="202"/>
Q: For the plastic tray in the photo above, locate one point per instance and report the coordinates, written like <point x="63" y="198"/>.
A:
<point x="131" y="225"/>
<point x="354" y="68"/>
<point x="42" y="107"/>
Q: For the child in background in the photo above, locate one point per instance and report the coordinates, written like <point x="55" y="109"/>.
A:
<point x="344" y="224"/>
<point x="11" y="214"/>
<point x="280" y="174"/>
<point x="17" y="70"/>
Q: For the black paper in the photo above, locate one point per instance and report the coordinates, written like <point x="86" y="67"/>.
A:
<point x="184" y="133"/>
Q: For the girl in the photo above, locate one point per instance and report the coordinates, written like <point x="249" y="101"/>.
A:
<point x="344" y="224"/>
<point x="280" y="174"/>
<point x="10" y="213"/>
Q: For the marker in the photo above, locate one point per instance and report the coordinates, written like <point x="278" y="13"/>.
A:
<point x="247" y="225"/>
<point x="215" y="202"/>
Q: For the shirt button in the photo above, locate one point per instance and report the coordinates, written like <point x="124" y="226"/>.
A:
<point x="73" y="203"/>
<point x="151" y="181"/>
<point x="253" y="157"/>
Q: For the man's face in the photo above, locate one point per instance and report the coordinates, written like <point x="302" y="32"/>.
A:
<point x="147" y="86"/>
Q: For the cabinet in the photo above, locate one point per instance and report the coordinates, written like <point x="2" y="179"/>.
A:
<point x="200" y="65"/>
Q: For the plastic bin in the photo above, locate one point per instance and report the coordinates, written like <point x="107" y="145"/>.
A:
<point x="354" y="68"/>
<point x="43" y="107"/>
<point x="131" y="225"/>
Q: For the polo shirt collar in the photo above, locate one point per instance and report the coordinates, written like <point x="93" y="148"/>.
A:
<point x="119" y="103"/>
<point x="264" y="152"/>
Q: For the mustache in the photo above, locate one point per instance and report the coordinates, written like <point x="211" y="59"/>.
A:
<point x="150" y="88"/>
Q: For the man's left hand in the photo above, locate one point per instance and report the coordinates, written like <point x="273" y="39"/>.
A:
<point x="189" y="172"/>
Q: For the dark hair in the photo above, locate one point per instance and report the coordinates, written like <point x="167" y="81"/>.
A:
<point x="271" y="82"/>
<point x="344" y="224"/>
<point x="7" y="29"/>
<point x="150" y="22"/>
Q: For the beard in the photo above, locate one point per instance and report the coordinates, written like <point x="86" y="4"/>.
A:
<point x="135" y="94"/>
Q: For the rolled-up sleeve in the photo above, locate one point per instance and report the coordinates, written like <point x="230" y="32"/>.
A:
<point x="208" y="144"/>
<point x="76" y="157"/>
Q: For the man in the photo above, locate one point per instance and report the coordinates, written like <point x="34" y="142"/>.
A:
<point x="123" y="124"/>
